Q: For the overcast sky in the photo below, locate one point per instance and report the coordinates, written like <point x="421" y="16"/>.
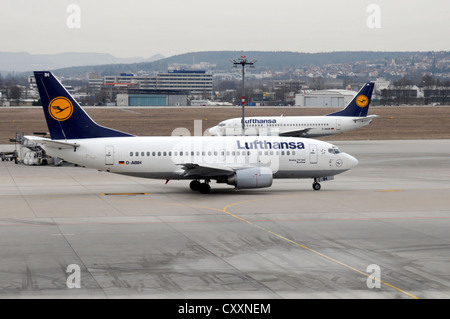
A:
<point x="146" y="27"/>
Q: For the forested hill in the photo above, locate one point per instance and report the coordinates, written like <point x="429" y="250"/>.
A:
<point x="17" y="62"/>
<point x="265" y="60"/>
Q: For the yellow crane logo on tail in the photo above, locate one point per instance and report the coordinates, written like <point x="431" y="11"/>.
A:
<point x="60" y="108"/>
<point x="362" y="101"/>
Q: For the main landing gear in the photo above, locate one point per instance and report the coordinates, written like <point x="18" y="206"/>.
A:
<point x="203" y="188"/>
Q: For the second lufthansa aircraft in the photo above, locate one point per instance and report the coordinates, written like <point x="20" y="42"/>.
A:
<point x="352" y="117"/>
<point x="244" y="162"/>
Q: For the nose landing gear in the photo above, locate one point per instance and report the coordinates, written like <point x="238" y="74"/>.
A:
<point x="316" y="186"/>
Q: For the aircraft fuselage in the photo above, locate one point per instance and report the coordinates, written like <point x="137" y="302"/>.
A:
<point x="313" y="126"/>
<point x="163" y="157"/>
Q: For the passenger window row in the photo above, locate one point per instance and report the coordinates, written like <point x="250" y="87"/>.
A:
<point x="274" y="125"/>
<point x="211" y="153"/>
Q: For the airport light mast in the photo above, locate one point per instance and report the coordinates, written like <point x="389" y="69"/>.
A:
<point x="243" y="61"/>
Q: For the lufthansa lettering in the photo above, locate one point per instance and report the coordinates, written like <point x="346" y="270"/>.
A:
<point x="256" y="121"/>
<point x="265" y="145"/>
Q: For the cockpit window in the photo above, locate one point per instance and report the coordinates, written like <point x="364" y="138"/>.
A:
<point x="334" y="150"/>
<point x="222" y="124"/>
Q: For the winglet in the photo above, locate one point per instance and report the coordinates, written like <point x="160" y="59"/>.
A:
<point x="65" y="117"/>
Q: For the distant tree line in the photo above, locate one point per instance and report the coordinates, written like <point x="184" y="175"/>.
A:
<point x="11" y="86"/>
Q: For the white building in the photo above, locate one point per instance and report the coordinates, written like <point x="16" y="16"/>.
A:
<point x="381" y="84"/>
<point x="195" y="83"/>
<point x="325" y="98"/>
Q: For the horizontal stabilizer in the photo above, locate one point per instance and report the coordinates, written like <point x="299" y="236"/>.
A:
<point x="365" y="119"/>
<point x="51" y="143"/>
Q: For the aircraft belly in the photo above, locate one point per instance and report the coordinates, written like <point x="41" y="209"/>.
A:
<point x="145" y="168"/>
<point x="281" y="174"/>
<point x="305" y="173"/>
<point x="153" y="175"/>
<point x="312" y="135"/>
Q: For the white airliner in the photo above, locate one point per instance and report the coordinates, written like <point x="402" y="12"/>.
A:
<point x="353" y="116"/>
<point x="213" y="103"/>
<point x="244" y="162"/>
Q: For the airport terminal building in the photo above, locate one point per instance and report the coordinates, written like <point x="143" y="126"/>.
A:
<point x="192" y="82"/>
<point x="172" y="88"/>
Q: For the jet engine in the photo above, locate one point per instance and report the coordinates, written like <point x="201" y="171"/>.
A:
<point x="255" y="177"/>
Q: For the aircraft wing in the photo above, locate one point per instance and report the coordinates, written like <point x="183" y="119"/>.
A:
<point x="296" y="133"/>
<point x="368" y="118"/>
<point x="51" y="143"/>
<point x="192" y="170"/>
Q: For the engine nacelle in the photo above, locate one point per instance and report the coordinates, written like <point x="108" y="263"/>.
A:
<point x="255" y="177"/>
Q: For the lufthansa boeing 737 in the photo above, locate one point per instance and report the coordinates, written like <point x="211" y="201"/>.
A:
<point x="352" y="117"/>
<point x="244" y="162"/>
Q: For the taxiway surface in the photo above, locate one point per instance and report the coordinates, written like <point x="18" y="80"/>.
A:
<point x="136" y="238"/>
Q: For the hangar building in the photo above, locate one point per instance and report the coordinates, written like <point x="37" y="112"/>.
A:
<point x="325" y="98"/>
<point x="143" y="97"/>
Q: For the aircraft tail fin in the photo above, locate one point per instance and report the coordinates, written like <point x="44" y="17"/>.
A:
<point x="359" y="106"/>
<point x="65" y="117"/>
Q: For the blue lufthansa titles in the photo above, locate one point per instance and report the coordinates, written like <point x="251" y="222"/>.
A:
<point x="264" y="145"/>
<point x="258" y="121"/>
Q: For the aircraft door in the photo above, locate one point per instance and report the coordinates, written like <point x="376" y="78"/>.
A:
<point x="109" y="155"/>
<point x="338" y="124"/>
<point x="313" y="154"/>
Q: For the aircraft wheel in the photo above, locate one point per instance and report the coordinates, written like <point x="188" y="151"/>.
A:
<point x="195" y="186"/>
<point x="205" y="188"/>
<point x="316" y="186"/>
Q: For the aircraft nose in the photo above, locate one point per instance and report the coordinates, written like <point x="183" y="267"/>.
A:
<point x="352" y="162"/>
